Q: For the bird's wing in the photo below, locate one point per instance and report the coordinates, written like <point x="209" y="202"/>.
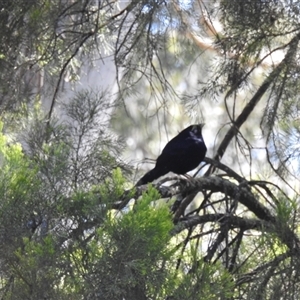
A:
<point x="179" y="146"/>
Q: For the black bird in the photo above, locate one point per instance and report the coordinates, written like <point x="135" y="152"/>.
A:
<point x="181" y="155"/>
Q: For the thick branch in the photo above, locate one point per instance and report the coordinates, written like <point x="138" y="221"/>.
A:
<point x="255" y="99"/>
<point x="239" y="193"/>
<point x="235" y="221"/>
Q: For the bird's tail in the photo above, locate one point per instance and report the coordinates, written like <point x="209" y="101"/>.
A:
<point x="150" y="176"/>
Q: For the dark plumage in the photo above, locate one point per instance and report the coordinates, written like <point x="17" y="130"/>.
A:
<point x="181" y="155"/>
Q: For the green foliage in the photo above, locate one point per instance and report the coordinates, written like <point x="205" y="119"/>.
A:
<point x="131" y="250"/>
<point x="113" y="187"/>
<point x="286" y="209"/>
<point x="16" y="184"/>
<point x="51" y="201"/>
<point x="145" y="224"/>
<point x="207" y="281"/>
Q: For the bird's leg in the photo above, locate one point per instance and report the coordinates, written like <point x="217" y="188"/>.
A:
<point x="188" y="177"/>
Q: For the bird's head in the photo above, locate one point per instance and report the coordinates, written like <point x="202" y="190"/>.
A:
<point x="197" y="129"/>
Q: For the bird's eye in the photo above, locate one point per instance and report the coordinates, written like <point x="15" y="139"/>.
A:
<point x="195" y="129"/>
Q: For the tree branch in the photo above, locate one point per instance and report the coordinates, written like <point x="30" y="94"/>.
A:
<point x="255" y="99"/>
